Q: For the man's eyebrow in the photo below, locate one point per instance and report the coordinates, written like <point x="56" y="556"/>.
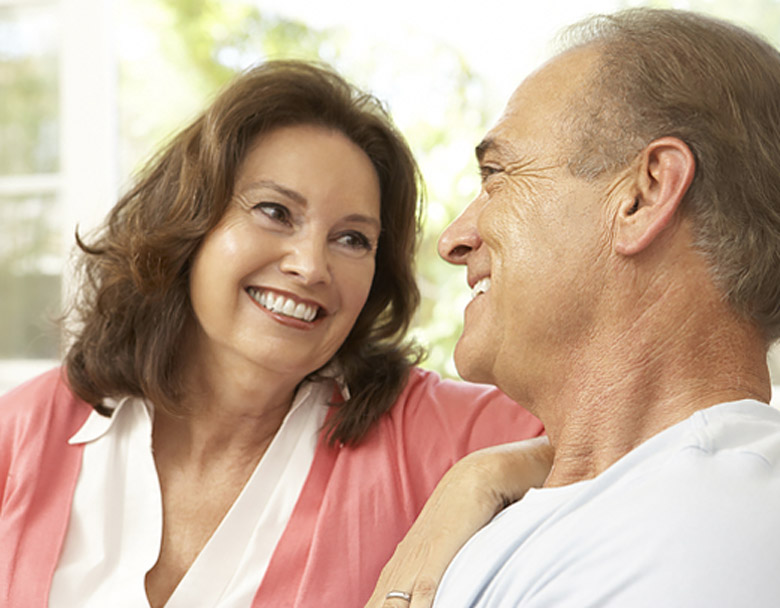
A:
<point x="283" y="190"/>
<point x="482" y="148"/>
<point x="490" y="144"/>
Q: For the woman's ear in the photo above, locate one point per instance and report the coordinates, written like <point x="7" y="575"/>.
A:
<point x="664" y="173"/>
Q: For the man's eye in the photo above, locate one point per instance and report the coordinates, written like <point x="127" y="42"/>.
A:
<point x="486" y="171"/>
<point x="275" y="211"/>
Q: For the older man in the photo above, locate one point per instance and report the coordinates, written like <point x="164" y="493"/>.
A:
<point x="624" y="253"/>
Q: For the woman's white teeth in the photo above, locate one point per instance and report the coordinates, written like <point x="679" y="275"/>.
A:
<point x="282" y="305"/>
<point x="301" y="311"/>
<point x="482" y="286"/>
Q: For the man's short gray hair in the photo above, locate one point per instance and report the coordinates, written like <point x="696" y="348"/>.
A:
<point x="716" y="87"/>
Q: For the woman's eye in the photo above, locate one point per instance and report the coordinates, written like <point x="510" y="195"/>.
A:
<point x="355" y="240"/>
<point x="275" y="211"/>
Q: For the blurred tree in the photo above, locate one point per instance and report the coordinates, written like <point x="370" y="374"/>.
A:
<point x="175" y="54"/>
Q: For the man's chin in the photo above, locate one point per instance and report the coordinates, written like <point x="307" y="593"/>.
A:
<point x="471" y="365"/>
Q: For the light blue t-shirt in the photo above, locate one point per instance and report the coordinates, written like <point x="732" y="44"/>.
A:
<point x="690" y="518"/>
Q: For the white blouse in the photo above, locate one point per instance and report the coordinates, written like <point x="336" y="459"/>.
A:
<point x="115" y="528"/>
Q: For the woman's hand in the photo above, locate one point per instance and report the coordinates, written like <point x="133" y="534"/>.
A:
<point x="469" y="495"/>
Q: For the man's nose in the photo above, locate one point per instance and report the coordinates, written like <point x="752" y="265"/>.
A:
<point x="461" y="237"/>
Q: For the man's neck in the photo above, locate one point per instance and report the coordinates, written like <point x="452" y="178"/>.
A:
<point x="620" y="394"/>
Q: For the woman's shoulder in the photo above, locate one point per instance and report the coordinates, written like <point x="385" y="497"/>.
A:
<point x="428" y="396"/>
<point x="428" y="386"/>
<point x="45" y="397"/>
<point x="443" y="420"/>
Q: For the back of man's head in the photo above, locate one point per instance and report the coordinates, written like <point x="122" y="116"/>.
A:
<point x="716" y="87"/>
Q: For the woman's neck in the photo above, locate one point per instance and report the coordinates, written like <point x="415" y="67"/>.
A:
<point x="232" y="411"/>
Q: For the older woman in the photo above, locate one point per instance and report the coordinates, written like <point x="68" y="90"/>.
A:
<point x="239" y="421"/>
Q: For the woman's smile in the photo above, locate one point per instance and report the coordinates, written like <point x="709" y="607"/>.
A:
<point x="285" y="305"/>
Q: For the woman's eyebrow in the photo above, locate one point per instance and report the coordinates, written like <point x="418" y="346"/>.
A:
<point x="283" y="190"/>
<point x="301" y="200"/>
<point x="364" y="219"/>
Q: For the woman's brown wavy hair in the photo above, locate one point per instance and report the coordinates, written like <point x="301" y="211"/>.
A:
<point x="133" y="309"/>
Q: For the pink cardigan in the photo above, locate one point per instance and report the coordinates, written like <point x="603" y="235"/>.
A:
<point x="355" y="506"/>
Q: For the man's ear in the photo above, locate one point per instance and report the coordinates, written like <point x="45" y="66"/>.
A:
<point x="664" y="173"/>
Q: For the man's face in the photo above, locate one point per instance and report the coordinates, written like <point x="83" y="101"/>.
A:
<point x="534" y="240"/>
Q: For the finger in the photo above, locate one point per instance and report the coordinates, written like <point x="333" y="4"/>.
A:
<point x="423" y="593"/>
<point x="420" y="597"/>
<point x="393" y="601"/>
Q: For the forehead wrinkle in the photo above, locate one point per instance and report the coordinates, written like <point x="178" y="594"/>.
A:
<point x="530" y="174"/>
<point x="528" y="166"/>
<point x="511" y="157"/>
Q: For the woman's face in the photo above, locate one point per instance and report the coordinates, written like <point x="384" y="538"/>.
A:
<point x="280" y="281"/>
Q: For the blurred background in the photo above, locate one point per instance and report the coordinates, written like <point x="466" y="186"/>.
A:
<point x="90" y="88"/>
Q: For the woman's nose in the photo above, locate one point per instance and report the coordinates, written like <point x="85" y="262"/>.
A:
<point x="460" y="238"/>
<point x="307" y="259"/>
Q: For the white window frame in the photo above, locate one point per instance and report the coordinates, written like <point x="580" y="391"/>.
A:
<point x="86" y="184"/>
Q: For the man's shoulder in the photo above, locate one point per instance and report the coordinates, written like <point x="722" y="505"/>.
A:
<point x="689" y="518"/>
<point x="716" y="457"/>
<point x="740" y="429"/>
<point x="692" y="480"/>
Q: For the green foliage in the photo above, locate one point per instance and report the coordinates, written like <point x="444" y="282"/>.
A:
<point x="220" y="37"/>
<point x="181" y="53"/>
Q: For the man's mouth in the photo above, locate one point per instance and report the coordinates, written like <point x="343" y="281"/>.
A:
<point x="283" y="305"/>
<point x="480" y="287"/>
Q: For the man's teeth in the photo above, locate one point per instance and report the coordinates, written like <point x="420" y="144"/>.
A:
<point x="482" y="286"/>
<point x="285" y="306"/>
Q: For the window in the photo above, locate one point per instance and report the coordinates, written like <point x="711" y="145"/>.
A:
<point x="57" y="160"/>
